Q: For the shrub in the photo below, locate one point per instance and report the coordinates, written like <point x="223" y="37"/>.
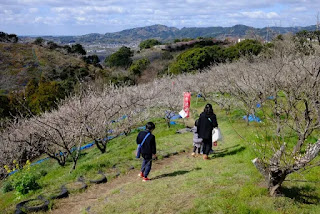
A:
<point x="244" y="48"/>
<point x="43" y="173"/>
<point x="197" y="58"/>
<point x="52" y="45"/>
<point x="78" y="49"/>
<point x="121" y="58"/>
<point x="7" y="187"/>
<point x="149" y="43"/>
<point x="25" y="182"/>
<point x="4" y="37"/>
<point x="45" y="97"/>
<point x="38" y="41"/>
<point x="137" y="67"/>
<point x="92" y="59"/>
<point x="4" y="106"/>
<point x="166" y="55"/>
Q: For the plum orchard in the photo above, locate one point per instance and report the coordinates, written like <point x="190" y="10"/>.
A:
<point x="92" y="114"/>
<point x="284" y="81"/>
<point x="287" y="86"/>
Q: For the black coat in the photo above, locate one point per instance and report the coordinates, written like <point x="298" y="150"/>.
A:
<point x="205" y="126"/>
<point x="149" y="146"/>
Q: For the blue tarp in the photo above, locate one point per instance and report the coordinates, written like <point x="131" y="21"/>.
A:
<point x="169" y="114"/>
<point x="11" y="173"/>
<point x="258" y="105"/>
<point x="252" y="118"/>
<point x="39" y="161"/>
<point x="172" y="114"/>
<point x="61" y="153"/>
<point x="175" y="117"/>
<point x="141" y="128"/>
<point x="87" y="146"/>
<point x="271" y="98"/>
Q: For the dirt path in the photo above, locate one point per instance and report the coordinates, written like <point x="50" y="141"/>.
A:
<point x="77" y="203"/>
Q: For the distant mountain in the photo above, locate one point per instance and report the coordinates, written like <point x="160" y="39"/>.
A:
<point x="164" y="33"/>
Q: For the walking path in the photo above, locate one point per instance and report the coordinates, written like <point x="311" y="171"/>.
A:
<point x="100" y="194"/>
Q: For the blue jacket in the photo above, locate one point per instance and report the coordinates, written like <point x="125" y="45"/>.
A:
<point x="149" y="146"/>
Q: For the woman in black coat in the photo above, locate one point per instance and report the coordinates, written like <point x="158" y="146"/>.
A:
<point x="207" y="121"/>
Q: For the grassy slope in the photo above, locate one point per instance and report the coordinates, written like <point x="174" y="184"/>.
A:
<point x="119" y="158"/>
<point x="228" y="183"/>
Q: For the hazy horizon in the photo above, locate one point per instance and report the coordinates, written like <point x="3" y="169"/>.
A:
<point x="39" y="35"/>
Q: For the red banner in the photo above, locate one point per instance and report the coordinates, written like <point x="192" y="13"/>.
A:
<point x="186" y="102"/>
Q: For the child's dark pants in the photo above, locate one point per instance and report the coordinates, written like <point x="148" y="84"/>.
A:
<point x="195" y="149"/>
<point x="146" y="167"/>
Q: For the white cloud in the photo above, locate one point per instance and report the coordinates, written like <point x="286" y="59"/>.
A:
<point x="299" y="9"/>
<point x="33" y="10"/>
<point x="113" y="15"/>
<point x="260" y="15"/>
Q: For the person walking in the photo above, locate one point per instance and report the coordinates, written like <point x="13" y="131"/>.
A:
<point x="197" y="142"/>
<point x="148" y="150"/>
<point x="207" y="121"/>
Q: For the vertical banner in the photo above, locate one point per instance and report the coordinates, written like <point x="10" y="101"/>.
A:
<point x="186" y="103"/>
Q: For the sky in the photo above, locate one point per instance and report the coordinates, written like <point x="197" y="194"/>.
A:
<point x="79" y="17"/>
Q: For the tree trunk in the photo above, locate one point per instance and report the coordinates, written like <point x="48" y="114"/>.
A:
<point x="261" y="168"/>
<point x="247" y="119"/>
<point x="275" y="181"/>
<point x="272" y="172"/>
<point x="168" y="122"/>
<point x="75" y="160"/>
<point x="273" y="176"/>
<point x="61" y="163"/>
<point x="101" y="145"/>
<point x="61" y="160"/>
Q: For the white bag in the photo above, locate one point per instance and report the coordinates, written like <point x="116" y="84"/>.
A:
<point x="216" y="135"/>
<point x="183" y="114"/>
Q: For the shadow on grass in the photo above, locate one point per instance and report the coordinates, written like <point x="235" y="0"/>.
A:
<point x="304" y="195"/>
<point x="81" y="155"/>
<point x="227" y="151"/>
<point x="176" y="173"/>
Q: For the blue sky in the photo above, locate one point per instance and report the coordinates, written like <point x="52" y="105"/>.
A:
<point x="78" y="17"/>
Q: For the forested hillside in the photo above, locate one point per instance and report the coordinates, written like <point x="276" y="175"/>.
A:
<point x="38" y="75"/>
<point x="22" y="62"/>
<point x="165" y="33"/>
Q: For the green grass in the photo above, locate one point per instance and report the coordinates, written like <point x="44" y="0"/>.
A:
<point x="120" y="156"/>
<point x="228" y="183"/>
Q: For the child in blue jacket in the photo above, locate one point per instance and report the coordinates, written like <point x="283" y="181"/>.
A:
<point x="148" y="150"/>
